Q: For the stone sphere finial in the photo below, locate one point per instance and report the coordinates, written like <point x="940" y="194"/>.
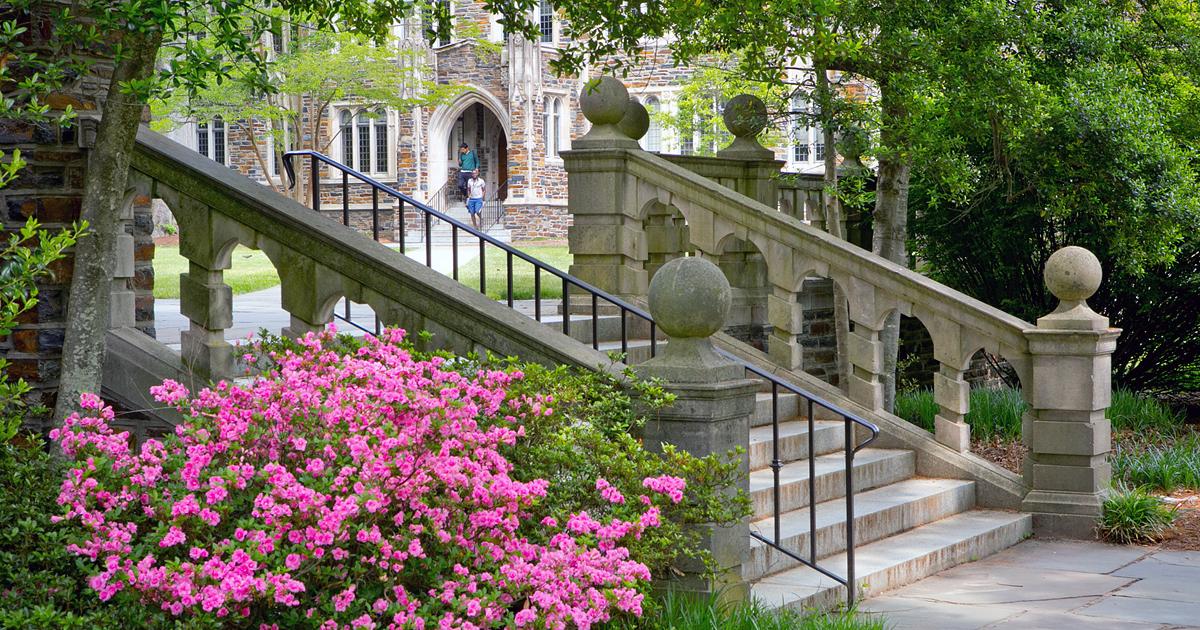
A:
<point x="1073" y="274"/>
<point x="636" y="121"/>
<point x="745" y="116"/>
<point x="690" y="298"/>
<point x="604" y="100"/>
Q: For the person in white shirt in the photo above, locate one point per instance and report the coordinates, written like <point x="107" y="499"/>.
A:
<point x="475" y="190"/>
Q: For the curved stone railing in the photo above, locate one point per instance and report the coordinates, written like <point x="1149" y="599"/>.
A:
<point x="618" y="193"/>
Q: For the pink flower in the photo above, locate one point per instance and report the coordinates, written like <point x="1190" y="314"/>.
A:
<point x="174" y="537"/>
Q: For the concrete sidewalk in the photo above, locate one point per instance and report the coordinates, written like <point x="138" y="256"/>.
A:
<point x="1057" y="585"/>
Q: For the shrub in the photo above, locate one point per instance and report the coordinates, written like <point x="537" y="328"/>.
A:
<point x="681" y="611"/>
<point x="40" y="584"/>
<point x="1132" y="516"/>
<point x="594" y="433"/>
<point x="350" y="490"/>
<point x="1162" y="466"/>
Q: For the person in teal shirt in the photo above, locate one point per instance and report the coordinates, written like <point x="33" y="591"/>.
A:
<point x="467" y="164"/>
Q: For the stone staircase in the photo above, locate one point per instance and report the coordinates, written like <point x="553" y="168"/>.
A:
<point x="907" y="527"/>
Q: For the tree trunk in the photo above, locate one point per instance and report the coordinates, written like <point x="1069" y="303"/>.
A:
<point x="891" y="219"/>
<point x="833" y="219"/>
<point x="95" y="256"/>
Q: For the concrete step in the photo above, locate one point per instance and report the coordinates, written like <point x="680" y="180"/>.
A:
<point x="793" y="441"/>
<point x="898" y="560"/>
<point x="878" y="513"/>
<point x="873" y="467"/>
<point x="789" y="408"/>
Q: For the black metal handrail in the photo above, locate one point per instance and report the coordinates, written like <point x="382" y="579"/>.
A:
<point x="428" y="215"/>
<point x="851" y="448"/>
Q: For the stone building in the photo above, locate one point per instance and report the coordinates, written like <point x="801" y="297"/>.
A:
<point x="513" y="111"/>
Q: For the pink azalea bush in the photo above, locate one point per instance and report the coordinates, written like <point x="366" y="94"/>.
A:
<point x="360" y="490"/>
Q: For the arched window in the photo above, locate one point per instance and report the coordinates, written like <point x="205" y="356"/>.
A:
<point x="653" y="139"/>
<point x="546" y="21"/>
<point x="381" y="141"/>
<point x="211" y="139"/>
<point x="347" y="132"/>
<point x="363" y="163"/>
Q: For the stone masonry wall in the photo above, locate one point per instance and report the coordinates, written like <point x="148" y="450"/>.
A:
<point x="50" y="189"/>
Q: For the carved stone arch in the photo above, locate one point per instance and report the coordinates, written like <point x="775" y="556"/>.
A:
<point x="947" y="335"/>
<point x="307" y="290"/>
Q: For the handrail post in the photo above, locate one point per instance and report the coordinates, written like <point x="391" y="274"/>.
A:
<point x="714" y="400"/>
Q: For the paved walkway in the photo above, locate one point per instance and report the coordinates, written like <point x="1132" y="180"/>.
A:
<point x="1057" y="585"/>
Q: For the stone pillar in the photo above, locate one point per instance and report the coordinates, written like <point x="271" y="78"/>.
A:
<point x="207" y="301"/>
<point x="865" y="351"/>
<point x="745" y="117"/>
<point x="606" y="236"/>
<point x="689" y="299"/>
<point x="1066" y="430"/>
<point x="952" y="394"/>
<point x="786" y="316"/>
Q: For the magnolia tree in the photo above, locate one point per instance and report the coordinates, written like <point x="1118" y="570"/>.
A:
<point x="362" y="489"/>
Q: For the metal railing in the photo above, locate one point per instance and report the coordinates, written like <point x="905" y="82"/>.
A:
<point x="592" y="298"/>
<point x="851" y="448"/>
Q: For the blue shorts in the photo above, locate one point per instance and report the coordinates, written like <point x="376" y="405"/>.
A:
<point x="474" y="205"/>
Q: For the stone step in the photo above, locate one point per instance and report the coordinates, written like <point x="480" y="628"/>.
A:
<point x="788" y="404"/>
<point x="897" y="560"/>
<point x="828" y="437"/>
<point x="873" y="467"/>
<point x="878" y="513"/>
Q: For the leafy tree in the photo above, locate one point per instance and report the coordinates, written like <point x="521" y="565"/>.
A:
<point x="1097" y="150"/>
<point x="317" y="69"/>
<point x="902" y="48"/>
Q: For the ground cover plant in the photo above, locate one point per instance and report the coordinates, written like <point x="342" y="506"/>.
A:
<point x="361" y="482"/>
<point x="251" y="271"/>
<point x="1134" y="516"/>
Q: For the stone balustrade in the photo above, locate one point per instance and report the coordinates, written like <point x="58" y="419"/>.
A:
<point x="319" y="262"/>
<point x="618" y="195"/>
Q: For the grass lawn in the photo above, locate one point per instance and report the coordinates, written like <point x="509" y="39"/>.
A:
<point x="251" y="271"/>
<point x="497" y="266"/>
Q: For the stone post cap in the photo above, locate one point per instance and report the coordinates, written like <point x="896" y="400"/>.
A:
<point x="1072" y="275"/>
<point x="604" y="101"/>
<point x="745" y="117"/>
<point x="636" y="121"/>
<point x="689" y="299"/>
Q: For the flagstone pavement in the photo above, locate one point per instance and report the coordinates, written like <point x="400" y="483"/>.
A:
<point x="1057" y="585"/>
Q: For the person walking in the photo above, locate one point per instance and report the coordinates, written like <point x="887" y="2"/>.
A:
<point x="475" y="191"/>
<point x="467" y="164"/>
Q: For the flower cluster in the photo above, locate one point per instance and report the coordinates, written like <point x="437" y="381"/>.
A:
<point x="345" y="491"/>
